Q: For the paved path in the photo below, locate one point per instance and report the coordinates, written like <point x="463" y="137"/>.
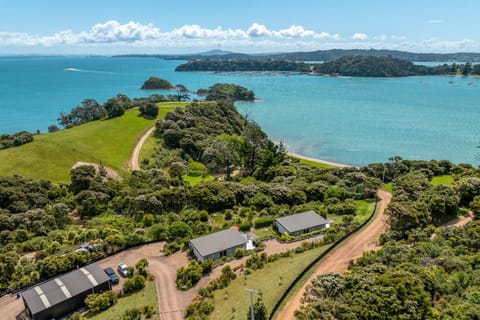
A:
<point x="133" y="162"/>
<point x="337" y="261"/>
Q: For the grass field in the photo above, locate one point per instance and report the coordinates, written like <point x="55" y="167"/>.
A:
<point x="191" y="180"/>
<point x="388" y="187"/>
<point x="364" y="209"/>
<point x="445" y="180"/>
<point x="314" y="164"/>
<point x="233" y="300"/>
<point x="145" y="297"/>
<point x="109" y="142"/>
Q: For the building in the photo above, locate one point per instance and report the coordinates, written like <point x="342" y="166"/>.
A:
<point x="301" y="223"/>
<point x="217" y="245"/>
<point x="55" y="298"/>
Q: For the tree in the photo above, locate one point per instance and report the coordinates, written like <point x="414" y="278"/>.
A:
<point x="149" y="110"/>
<point x="224" y="152"/>
<point x="81" y="178"/>
<point x="259" y="311"/>
<point x="182" y="93"/>
<point x="53" y="128"/>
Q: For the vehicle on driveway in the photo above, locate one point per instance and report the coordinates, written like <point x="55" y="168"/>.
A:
<point x="113" y="276"/>
<point x="123" y="269"/>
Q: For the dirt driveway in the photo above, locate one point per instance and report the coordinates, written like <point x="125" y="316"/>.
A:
<point x="338" y="260"/>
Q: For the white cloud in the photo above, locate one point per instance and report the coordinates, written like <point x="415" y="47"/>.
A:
<point x="258" y="30"/>
<point x="194" y="31"/>
<point x="113" y="31"/>
<point x="113" y="36"/>
<point x="359" y="36"/>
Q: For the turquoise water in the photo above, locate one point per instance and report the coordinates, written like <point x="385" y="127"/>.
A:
<point x="349" y="120"/>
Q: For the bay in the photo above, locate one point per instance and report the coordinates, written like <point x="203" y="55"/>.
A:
<point x="347" y="120"/>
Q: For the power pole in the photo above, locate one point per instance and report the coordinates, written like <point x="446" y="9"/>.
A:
<point x="251" y="291"/>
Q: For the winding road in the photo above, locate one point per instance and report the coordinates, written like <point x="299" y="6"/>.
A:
<point x="337" y="261"/>
<point x="133" y="162"/>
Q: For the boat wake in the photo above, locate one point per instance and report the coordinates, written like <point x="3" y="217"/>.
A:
<point x="88" y="71"/>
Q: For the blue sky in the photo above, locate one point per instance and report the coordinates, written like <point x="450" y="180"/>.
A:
<point x="147" y="26"/>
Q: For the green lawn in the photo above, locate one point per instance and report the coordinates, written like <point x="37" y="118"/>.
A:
<point x="50" y="156"/>
<point x="314" y="164"/>
<point x="364" y="210"/>
<point x="388" y="187"/>
<point x="147" y="149"/>
<point x="146" y="297"/>
<point x="445" y="180"/>
<point x="264" y="232"/>
<point x="191" y="180"/>
<point x="235" y="300"/>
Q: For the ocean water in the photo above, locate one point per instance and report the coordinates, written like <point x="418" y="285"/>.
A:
<point x="348" y="120"/>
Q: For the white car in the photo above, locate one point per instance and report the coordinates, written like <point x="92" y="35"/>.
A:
<point x="123" y="269"/>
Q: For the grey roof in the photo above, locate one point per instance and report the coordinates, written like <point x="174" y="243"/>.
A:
<point x="218" y="241"/>
<point x="59" y="289"/>
<point x="301" y="221"/>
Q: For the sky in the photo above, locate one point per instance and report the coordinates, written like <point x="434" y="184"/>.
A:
<point x="249" y="26"/>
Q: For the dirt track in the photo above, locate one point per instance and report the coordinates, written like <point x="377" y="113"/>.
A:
<point x="338" y="260"/>
<point x="133" y="162"/>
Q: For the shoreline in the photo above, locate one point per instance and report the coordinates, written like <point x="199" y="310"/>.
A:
<point x="330" y="163"/>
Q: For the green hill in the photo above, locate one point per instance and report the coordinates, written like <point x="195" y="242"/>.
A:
<point x="51" y="156"/>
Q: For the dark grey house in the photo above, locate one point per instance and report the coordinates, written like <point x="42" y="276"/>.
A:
<point x="57" y="297"/>
<point x="301" y="223"/>
<point x="217" y="245"/>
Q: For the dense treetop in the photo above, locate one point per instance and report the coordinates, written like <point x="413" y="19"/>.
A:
<point x="242" y="65"/>
<point x="154" y="83"/>
<point x="356" y="66"/>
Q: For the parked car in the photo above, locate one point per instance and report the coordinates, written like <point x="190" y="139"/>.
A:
<point x="113" y="276"/>
<point x="123" y="269"/>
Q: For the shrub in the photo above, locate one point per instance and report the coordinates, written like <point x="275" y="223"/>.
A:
<point x="245" y="226"/>
<point x="188" y="276"/>
<point x="132" y="314"/>
<point x="196" y="169"/>
<point x="102" y="301"/>
<point x="263" y="222"/>
<point x="136" y="283"/>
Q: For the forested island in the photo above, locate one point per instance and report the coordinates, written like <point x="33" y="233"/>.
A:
<point x="355" y="66"/>
<point x="155" y="83"/>
<point x="210" y="168"/>
<point x="320" y="55"/>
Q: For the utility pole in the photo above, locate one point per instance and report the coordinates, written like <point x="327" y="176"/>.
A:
<point x="251" y="291"/>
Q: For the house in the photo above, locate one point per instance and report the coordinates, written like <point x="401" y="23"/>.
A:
<point x="55" y="298"/>
<point x="217" y="245"/>
<point x="301" y="223"/>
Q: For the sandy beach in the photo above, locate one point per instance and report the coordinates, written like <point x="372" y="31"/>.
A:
<point x="333" y="164"/>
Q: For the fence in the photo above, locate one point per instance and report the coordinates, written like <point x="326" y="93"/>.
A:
<point x="320" y="257"/>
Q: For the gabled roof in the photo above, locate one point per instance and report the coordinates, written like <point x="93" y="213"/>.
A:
<point x="218" y="241"/>
<point x="302" y="221"/>
<point x="55" y="291"/>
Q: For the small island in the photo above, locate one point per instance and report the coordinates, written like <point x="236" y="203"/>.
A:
<point x="154" y="83"/>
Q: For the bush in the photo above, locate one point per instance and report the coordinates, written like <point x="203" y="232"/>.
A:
<point x="132" y="314"/>
<point x="134" y="284"/>
<point x="263" y="222"/>
<point x="188" y="276"/>
<point x="102" y="301"/>
<point x="196" y="169"/>
<point x="245" y="226"/>
<point x="15" y="140"/>
<point x="149" y="110"/>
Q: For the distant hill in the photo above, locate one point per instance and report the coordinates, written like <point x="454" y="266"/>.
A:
<point x="324" y="55"/>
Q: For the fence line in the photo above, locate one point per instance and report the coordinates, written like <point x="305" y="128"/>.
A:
<point x="320" y="257"/>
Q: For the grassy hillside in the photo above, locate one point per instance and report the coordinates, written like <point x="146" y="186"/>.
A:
<point x="51" y="156"/>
